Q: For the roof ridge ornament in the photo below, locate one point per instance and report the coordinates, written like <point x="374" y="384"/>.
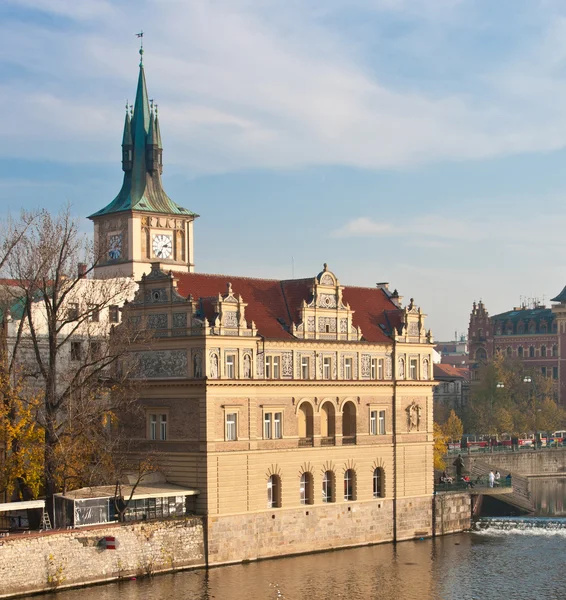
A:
<point x="140" y="35"/>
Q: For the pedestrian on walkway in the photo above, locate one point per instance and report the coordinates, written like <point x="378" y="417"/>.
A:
<point x="491" y="478"/>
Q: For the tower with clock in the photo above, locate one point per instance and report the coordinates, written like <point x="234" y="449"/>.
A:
<point x="142" y="224"/>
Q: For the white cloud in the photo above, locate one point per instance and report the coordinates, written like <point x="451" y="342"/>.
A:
<point x="253" y="83"/>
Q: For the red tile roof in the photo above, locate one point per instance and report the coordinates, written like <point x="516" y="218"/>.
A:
<point x="275" y="305"/>
<point x="449" y="372"/>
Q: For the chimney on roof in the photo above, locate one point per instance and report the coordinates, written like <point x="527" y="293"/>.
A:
<point x="384" y="285"/>
<point x="81" y="270"/>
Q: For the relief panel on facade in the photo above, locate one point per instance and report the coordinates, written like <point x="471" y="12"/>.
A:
<point x="287" y="364"/>
<point x="326" y="322"/>
<point x="179" y="319"/>
<point x="327" y="300"/>
<point x="366" y="366"/>
<point x="162" y="363"/>
<point x="157" y="321"/>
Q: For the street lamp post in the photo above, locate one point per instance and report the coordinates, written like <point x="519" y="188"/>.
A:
<point x="529" y="379"/>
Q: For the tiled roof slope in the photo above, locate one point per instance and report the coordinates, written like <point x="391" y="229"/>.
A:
<point x="275" y="305"/>
<point x="449" y="372"/>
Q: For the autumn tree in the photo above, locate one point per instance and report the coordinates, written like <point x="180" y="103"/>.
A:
<point x="439" y="451"/>
<point x="67" y="344"/>
<point x="453" y="428"/>
<point x="504" y="403"/>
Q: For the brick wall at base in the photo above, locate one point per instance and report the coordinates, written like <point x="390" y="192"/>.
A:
<point x="33" y="563"/>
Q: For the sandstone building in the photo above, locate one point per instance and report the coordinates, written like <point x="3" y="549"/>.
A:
<point x="301" y="410"/>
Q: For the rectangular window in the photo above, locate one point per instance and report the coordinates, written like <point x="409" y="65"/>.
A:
<point x="304" y="367"/>
<point x="230" y="362"/>
<point x="554" y="372"/>
<point x="326" y="365"/>
<point x="413" y="368"/>
<point x="267" y="429"/>
<point x="373" y="422"/>
<point x="73" y="311"/>
<point x="76" y="350"/>
<point x="277" y="425"/>
<point x="381" y="425"/>
<point x="381" y="369"/>
<point x="231" y="426"/>
<point x="163" y="427"/>
<point x="272" y="426"/>
<point x="347" y="368"/>
<point x="158" y="427"/>
<point x="373" y="371"/>
<point x="94" y="313"/>
<point x="272" y="367"/>
<point x="113" y="313"/>
<point x="94" y="350"/>
<point x="543" y="371"/>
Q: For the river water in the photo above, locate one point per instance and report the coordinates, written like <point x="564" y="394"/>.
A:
<point x="510" y="559"/>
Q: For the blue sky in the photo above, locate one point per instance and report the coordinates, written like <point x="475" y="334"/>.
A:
<point x="420" y="142"/>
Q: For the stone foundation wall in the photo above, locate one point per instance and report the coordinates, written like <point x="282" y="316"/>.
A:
<point x="58" y="559"/>
<point x="453" y="513"/>
<point x="278" y="532"/>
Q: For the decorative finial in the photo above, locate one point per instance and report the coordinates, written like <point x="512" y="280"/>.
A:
<point x="127" y="106"/>
<point x="229" y="286"/>
<point x="156" y="107"/>
<point x="325" y="266"/>
<point x="151" y="103"/>
<point x="140" y="35"/>
<point x="131" y="110"/>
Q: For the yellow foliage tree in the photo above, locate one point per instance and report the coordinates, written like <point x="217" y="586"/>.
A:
<point x="439" y="448"/>
<point x="21" y="440"/>
<point x="453" y="428"/>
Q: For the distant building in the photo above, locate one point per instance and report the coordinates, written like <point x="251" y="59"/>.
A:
<point x="453" y="389"/>
<point x="455" y="352"/>
<point x="529" y="334"/>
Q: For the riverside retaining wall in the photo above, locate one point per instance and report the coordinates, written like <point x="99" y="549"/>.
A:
<point x="59" y="559"/>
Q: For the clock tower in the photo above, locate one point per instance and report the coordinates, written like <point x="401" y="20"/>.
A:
<point x="142" y="224"/>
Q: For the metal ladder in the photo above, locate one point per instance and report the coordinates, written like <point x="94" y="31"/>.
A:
<point x="45" y="521"/>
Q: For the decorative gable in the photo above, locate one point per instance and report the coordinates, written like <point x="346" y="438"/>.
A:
<point x="230" y="315"/>
<point x="412" y="329"/>
<point x="326" y="316"/>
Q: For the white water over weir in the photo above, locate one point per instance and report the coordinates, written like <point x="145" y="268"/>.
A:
<point x="534" y="525"/>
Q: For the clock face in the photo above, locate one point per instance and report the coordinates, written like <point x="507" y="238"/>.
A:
<point x="162" y="245"/>
<point x="115" y="246"/>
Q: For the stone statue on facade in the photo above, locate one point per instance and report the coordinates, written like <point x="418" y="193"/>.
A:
<point x="414" y="415"/>
<point x="247" y="366"/>
<point x="214" y="366"/>
<point x="198" y="365"/>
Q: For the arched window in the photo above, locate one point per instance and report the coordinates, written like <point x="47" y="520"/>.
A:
<point x="349" y="484"/>
<point x="328" y="487"/>
<point x="348" y="423"/>
<point x="509" y="329"/>
<point x="499" y="329"/>
<point x="328" y="420"/>
<point x="481" y="355"/>
<point x="543" y="326"/>
<point x="543" y="351"/>
<point x="306" y="489"/>
<point x="498" y="350"/>
<point x="532" y="327"/>
<point x="520" y="351"/>
<point x="555" y="351"/>
<point x="274" y="492"/>
<point x="378" y="487"/>
<point x="305" y="423"/>
<point x="531" y="351"/>
<point x="509" y="351"/>
<point x="554" y="327"/>
<point x="521" y="327"/>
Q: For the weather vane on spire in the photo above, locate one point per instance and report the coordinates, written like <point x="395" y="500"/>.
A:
<point x="140" y="35"/>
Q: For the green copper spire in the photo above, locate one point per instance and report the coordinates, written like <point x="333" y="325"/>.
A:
<point x="142" y="162"/>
